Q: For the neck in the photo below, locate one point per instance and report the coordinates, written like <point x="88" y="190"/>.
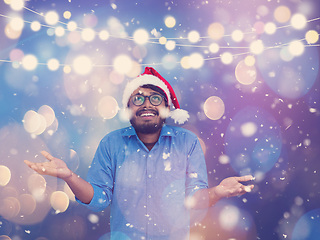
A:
<point x="149" y="137"/>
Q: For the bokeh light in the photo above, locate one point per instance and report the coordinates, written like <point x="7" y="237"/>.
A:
<point x="140" y="36"/>
<point x="270" y="28"/>
<point x="53" y="64"/>
<point x="226" y="58"/>
<point x="170" y="45"/>
<point x="296" y="48"/>
<point x="196" y="60"/>
<point x="256" y="47"/>
<point x="82" y="65"/>
<point x="104" y="35"/>
<point x="59" y="201"/>
<point x="35" y="26"/>
<point x="16" y="24"/>
<point x="312" y="36"/>
<point x="216" y="31"/>
<point x="282" y="14"/>
<point x="245" y="74"/>
<point x="298" y="21"/>
<point x="16" y="5"/>
<point x="170" y="21"/>
<point x="51" y="17"/>
<point x="193" y="36"/>
<point x="237" y="35"/>
<point x="122" y="64"/>
<point x="88" y="34"/>
<point x="214" y="108"/>
<point x="308" y="226"/>
<point x="29" y="62"/>
<point x="108" y="107"/>
<point x="5" y="175"/>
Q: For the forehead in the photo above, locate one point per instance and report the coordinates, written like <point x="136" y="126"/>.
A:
<point x="143" y="91"/>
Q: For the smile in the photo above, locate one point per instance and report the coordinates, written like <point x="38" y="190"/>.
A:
<point x="147" y="115"/>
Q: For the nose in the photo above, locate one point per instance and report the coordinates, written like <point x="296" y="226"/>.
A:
<point x="147" y="102"/>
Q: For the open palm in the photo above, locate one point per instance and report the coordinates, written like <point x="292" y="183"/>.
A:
<point x="54" y="167"/>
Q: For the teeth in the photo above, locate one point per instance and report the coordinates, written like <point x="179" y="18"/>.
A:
<point x="147" y="114"/>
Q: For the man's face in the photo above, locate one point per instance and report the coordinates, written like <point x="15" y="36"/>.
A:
<point x="147" y="117"/>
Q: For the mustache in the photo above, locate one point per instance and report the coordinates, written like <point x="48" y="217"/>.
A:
<point x="139" y="112"/>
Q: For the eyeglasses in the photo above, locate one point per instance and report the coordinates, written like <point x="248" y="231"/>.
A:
<point x="155" y="99"/>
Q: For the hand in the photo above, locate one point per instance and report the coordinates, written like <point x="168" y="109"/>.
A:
<point x="55" y="167"/>
<point x="230" y="187"/>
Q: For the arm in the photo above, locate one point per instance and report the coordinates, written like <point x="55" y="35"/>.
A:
<point x="229" y="187"/>
<point x="57" y="168"/>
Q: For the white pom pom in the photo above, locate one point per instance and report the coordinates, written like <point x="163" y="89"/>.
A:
<point x="125" y="114"/>
<point x="179" y="116"/>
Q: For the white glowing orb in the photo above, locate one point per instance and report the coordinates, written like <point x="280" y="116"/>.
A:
<point x="245" y="74"/>
<point x="59" y="31"/>
<point x="312" y="36"/>
<point x="185" y="62"/>
<point x="72" y="25"/>
<point x="16" y="24"/>
<point x="163" y="40"/>
<point x="53" y="64"/>
<point x="31" y="121"/>
<point x="193" y="36"/>
<point x="216" y="30"/>
<point x="29" y="62"/>
<point x="248" y="129"/>
<point x="229" y="217"/>
<point x="170" y="45"/>
<point x="256" y="47"/>
<point x="104" y="35"/>
<point x="214" y="47"/>
<point x="296" y="48"/>
<point x="5" y="175"/>
<point x="226" y="58"/>
<point x="237" y="35"/>
<point x="108" y="107"/>
<point x="282" y="14"/>
<point x="170" y="22"/>
<point x="298" y="21"/>
<point x="35" y="26"/>
<point x="196" y="60"/>
<point x="88" y="34"/>
<point x="93" y="218"/>
<point x="214" y="108"/>
<point x="48" y="113"/>
<point x="224" y="159"/>
<point x="82" y="65"/>
<point x="270" y="28"/>
<point x="51" y="18"/>
<point x="67" y="14"/>
<point x="122" y="64"/>
<point x="59" y="201"/>
<point x="250" y="60"/>
<point x="17" y="5"/>
<point x="140" y="36"/>
<point x="37" y="186"/>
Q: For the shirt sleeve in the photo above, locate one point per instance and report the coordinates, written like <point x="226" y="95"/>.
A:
<point x="197" y="177"/>
<point x="101" y="177"/>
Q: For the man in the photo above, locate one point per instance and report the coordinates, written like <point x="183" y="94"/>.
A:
<point x="152" y="174"/>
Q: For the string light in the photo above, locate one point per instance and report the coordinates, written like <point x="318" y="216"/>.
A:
<point x="215" y="32"/>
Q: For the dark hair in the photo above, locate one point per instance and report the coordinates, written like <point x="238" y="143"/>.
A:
<point x="157" y="89"/>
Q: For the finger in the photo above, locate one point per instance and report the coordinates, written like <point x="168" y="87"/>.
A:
<point x="245" y="178"/>
<point x="29" y="164"/>
<point x="47" y="155"/>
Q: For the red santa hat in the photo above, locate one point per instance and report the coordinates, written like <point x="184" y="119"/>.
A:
<point x="151" y="76"/>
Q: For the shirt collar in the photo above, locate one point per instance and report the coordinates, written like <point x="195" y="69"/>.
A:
<point x="165" y="131"/>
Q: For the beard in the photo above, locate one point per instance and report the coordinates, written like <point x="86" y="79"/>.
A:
<point x="147" y="127"/>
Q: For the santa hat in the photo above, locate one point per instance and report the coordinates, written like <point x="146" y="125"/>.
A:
<point x="151" y="76"/>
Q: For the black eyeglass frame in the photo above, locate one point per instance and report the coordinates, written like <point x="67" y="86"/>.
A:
<point x="149" y="98"/>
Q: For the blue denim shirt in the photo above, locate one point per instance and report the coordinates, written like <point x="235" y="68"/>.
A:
<point x="147" y="189"/>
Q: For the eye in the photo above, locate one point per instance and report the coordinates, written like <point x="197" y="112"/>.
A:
<point x="156" y="99"/>
<point x="138" y="100"/>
